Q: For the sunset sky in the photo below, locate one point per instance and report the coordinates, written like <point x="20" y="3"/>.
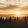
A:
<point x="20" y="8"/>
<point x="15" y="2"/>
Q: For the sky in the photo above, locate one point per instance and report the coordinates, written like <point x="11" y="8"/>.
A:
<point x="15" y="2"/>
<point x="20" y="4"/>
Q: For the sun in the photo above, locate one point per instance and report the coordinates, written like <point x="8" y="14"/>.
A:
<point x="18" y="13"/>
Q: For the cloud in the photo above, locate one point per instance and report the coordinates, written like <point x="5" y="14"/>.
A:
<point x="16" y="2"/>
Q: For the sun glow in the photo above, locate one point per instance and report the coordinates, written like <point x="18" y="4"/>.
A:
<point x="18" y="13"/>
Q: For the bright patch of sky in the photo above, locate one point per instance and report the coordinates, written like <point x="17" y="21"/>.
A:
<point x="17" y="2"/>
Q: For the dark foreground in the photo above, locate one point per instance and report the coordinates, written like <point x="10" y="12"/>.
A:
<point x="13" y="25"/>
<point x="7" y="23"/>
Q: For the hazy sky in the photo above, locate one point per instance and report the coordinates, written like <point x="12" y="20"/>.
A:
<point x="18" y="2"/>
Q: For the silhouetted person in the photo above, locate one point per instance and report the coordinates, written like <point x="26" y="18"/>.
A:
<point x="1" y="19"/>
<point x="6" y="18"/>
<point x="25" y="18"/>
<point x="10" y="19"/>
<point x="15" y="19"/>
